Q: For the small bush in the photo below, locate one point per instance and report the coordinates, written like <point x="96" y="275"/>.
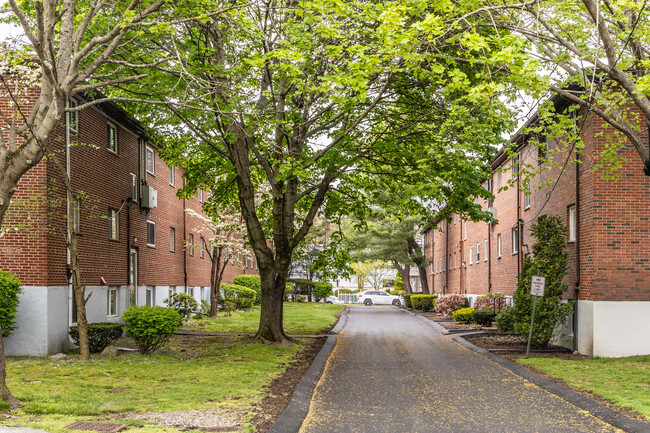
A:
<point x="483" y="317"/>
<point x="100" y="335"/>
<point x="322" y="289"/>
<point x="253" y="282"/>
<point x="301" y="298"/>
<point x="183" y="303"/>
<point x="9" y="291"/>
<point x="407" y="301"/>
<point x="288" y="290"/>
<point x="447" y="304"/>
<point x="241" y="297"/>
<point x="151" y="327"/>
<point x="463" y="315"/>
<point x="423" y="302"/>
<point x="492" y="301"/>
<point x="505" y="320"/>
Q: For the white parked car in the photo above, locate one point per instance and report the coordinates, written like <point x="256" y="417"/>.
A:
<point x="379" y="297"/>
<point x="332" y="300"/>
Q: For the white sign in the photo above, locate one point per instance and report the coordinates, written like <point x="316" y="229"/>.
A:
<point x="537" y="286"/>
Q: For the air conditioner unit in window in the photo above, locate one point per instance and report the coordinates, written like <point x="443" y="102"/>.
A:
<point x="148" y="197"/>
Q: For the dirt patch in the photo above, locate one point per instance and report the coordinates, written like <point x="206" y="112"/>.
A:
<point x="280" y="391"/>
<point x="517" y="342"/>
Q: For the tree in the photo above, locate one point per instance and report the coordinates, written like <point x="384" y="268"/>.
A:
<point x="304" y="101"/>
<point x="549" y="260"/>
<point x="221" y="232"/>
<point x="593" y="53"/>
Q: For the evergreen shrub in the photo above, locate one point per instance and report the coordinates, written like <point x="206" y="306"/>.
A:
<point x="253" y="282"/>
<point x="423" y="302"/>
<point x="100" y="335"/>
<point x="505" y="320"/>
<point x="322" y="289"/>
<point x="407" y="301"/>
<point x="463" y="315"/>
<point x="151" y="327"/>
<point x="241" y="297"/>
<point x="483" y="317"/>
<point x="9" y="291"/>
<point x="184" y="303"/>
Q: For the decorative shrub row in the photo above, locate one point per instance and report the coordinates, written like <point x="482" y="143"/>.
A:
<point x="483" y="317"/>
<point x="423" y="302"/>
<point x="9" y="291"/>
<point x="494" y="301"/>
<point x="151" y="327"/>
<point x="463" y="315"/>
<point x="253" y="282"/>
<point x="407" y="301"/>
<point x="241" y="297"/>
<point x="447" y="304"/>
<point x="100" y="335"/>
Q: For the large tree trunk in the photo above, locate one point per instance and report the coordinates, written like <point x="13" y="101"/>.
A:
<point x="6" y="395"/>
<point x="415" y="252"/>
<point x="273" y="284"/>
<point x="215" y="281"/>
<point x="79" y="290"/>
<point x="405" y="272"/>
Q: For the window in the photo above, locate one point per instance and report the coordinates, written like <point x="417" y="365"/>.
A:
<point x="201" y="247"/>
<point x="111" y="306"/>
<point x="73" y="116"/>
<point x="572" y="223"/>
<point x="190" y="245"/>
<point x="150" y="160"/>
<point x="527" y="196"/>
<point x="471" y="255"/>
<point x="465" y="231"/>
<point x="134" y="187"/>
<point x="515" y="240"/>
<point x="499" y="245"/>
<point x="111" y="136"/>
<point x="499" y="179"/>
<point x="444" y="269"/>
<point x="515" y="167"/>
<point x="171" y="176"/>
<point x="113" y="225"/>
<point x="171" y="292"/>
<point x="485" y="250"/>
<point x="149" y="297"/>
<point x="76" y="216"/>
<point x="151" y="234"/>
<point x="172" y="239"/>
<point x="478" y="252"/>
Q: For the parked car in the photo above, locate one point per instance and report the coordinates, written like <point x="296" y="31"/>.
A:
<point x="379" y="297"/>
<point x="332" y="300"/>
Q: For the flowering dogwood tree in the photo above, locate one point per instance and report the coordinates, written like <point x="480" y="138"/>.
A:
<point x="223" y="237"/>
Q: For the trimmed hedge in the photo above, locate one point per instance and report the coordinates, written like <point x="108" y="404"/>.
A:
<point x="463" y="315"/>
<point x="322" y="289"/>
<point x="151" y="327"/>
<point x="483" y="317"/>
<point x="423" y="302"/>
<point x="253" y="282"/>
<point x="100" y="335"/>
<point x="241" y="297"/>
<point x="9" y="291"/>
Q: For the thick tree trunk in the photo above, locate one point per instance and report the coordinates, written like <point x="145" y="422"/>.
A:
<point x="6" y="395"/>
<point x="405" y="272"/>
<point x="215" y="282"/>
<point x="415" y="252"/>
<point x="79" y="294"/>
<point x="273" y="284"/>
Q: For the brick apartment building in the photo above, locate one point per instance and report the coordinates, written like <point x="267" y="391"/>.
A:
<point x="607" y="240"/>
<point x="132" y="231"/>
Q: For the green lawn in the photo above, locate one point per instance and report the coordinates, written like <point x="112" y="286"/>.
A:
<point x="299" y="319"/>
<point x="225" y="373"/>
<point x="625" y="381"/>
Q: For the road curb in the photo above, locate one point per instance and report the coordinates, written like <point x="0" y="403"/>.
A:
<point x="291" y="418"/>
<point x="595" y="408"/>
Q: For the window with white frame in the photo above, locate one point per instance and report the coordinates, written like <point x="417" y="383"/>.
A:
<point x="149" y="298"/>
<point x="111" y="305"/>
<point x="499" y="177"/>
<point x="572" y="223"/>
<point x="201" y="247"/>
<point x="111" y="137"/>
<point x="172" y="239"/>
<point x="200" y="195"/>
<point x="499" y="245"/>
<point x="465" y="230"/>
<point x="190" y="244"/>
<point x="527" y="197"/>
<point x="485" y="250"/>
<point x="150" y="160"/>
<point x="471" y="255"/>
<point x="172" y="174"/>
<point x="478" y="252"/>
<point x="73" y="116"/>
<point x="515" y="240"/>
<point x="113" y="225"/>
<point x="134" y="186"/>
<point x="151" y="234"/>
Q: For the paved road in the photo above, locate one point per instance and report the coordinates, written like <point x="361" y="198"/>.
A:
<point x="391" y="372"/>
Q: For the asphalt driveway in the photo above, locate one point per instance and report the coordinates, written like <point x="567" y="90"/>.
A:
<point x="392" y="372"/>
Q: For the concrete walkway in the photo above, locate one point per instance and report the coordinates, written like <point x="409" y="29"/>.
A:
<point x="391" y="372"/>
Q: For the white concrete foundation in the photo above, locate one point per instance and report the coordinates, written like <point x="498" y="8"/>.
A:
<point x="613" y="329"/>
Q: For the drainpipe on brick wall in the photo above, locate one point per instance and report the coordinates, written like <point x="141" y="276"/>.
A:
<point x="489" y="256"/>
<point x="184" y="242"/>
<point x="576" y="289"/>
<point x="519" y="227"/>
<point x="128" y="242"/>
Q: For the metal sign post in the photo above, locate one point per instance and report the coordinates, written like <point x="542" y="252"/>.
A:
<point x="536" y="290"/>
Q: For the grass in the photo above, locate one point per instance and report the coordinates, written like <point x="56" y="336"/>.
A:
<point x="299" y="319"/>
<point x="624" y="381"/>
<point x="226" y="373"/>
